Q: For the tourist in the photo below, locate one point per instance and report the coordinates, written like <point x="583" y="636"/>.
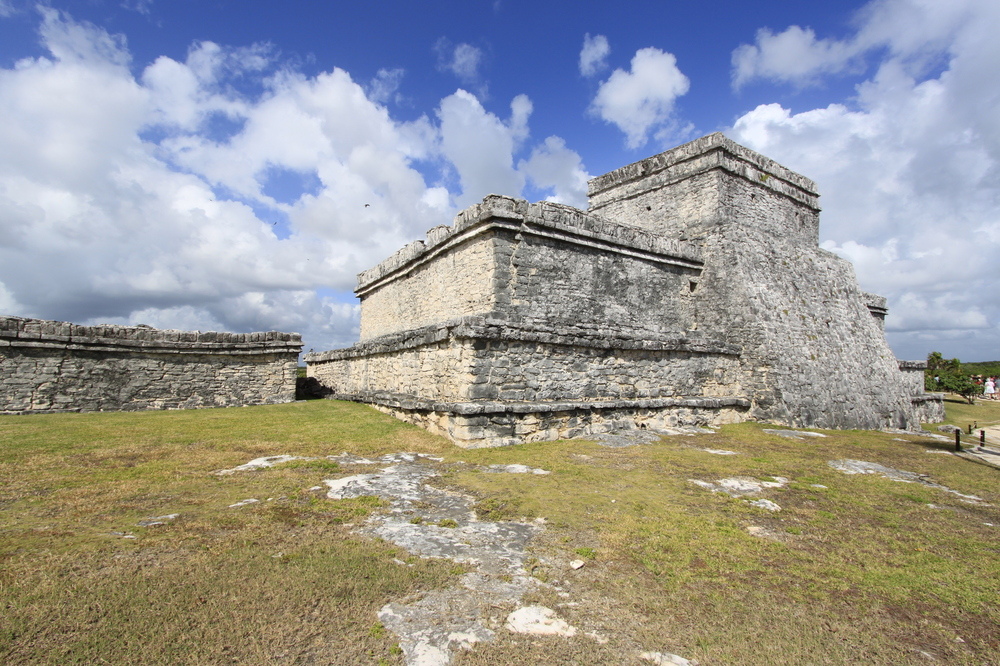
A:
<point x="990" y="389"/>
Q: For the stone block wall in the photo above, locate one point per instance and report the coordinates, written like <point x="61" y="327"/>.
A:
<point x="812" y="347"/>
<point x="461" y="283"/>
<point x="48" y="366"/>
<point x="543" y="263"/>
<point x="478" y="358"/>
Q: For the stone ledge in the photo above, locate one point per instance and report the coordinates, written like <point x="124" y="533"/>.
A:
<point x="413" y="403"/>
<point x="132" y="347"/>
<point x="40" y="333"/>
<point x="480" y="327"/>
<point x="714" y="151"/>
<point x="912" y="365"/>
<point x="545" y="219"/>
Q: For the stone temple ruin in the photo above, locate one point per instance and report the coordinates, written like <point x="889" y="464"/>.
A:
<point x="692" y="291"/>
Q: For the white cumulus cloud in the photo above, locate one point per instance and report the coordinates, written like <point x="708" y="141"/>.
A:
<point x="554" y="166"/>
<point x="641" y="100"/>
<point x="594" y="54"/>
<point x="177" y="199"/>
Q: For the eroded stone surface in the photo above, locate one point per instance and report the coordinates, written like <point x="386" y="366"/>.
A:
<point x="743" y="486"/>
<point x="515" y="469"/>
<point x="624" y="438"/>
<point x="666" y="659"/>
<point x="794" y="434"/>
<point x="258" y="463"/>
<point x="766" y="533"/>
<point x="55" y="366"/>
<point x="765" y="504"/>
<point x="539" y="621"/>
<point x="432" y="522"/>
<point x="848" y="466"/>
<point x="156" y="521"/>
<point x="739" y="486"/>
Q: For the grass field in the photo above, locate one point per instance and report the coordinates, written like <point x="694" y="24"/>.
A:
<point x="853" y="570"/>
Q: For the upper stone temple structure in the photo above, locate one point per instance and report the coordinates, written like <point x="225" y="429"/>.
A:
<point x="692" y="291"/>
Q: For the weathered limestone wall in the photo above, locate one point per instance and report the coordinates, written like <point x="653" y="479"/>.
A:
<point x="542" y="262"/>
<point x="476" y="358"/>
<point x="812" y="350"/>
<point x="929" y="407"/>
<point x="479" y="425"/>
<point x="458" y="283"/>
<point x="48" y="366"/>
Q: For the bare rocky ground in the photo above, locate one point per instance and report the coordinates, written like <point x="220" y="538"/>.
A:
<point x="498" y="599"/>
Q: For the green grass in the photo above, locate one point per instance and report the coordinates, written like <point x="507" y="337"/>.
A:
<point x="861" y="571"/>
<point x="960" y="413"/>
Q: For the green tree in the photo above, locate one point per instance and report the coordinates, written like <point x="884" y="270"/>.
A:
<point x="947" y="375"/>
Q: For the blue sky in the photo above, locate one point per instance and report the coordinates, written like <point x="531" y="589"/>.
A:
<point x="206" y="164"/>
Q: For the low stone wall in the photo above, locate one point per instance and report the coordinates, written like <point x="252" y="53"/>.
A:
<point x="483" y="381"/>
<point x="473" y="425"/>
<point x="49" y="366"/>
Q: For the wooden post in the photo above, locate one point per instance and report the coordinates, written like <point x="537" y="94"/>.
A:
<point x="958" y="439"/>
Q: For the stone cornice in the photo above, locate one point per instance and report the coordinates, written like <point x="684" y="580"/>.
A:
<point x="43" y="334"/>
<point x="481" y="327"/>
<point x="473" y="408"/>
<point x="714" y="151"/>
<point x="542" y="219"/>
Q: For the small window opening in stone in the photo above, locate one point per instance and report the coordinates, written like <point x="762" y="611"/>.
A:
<point x="692" y="285"/>
<point x="649" y="208"/>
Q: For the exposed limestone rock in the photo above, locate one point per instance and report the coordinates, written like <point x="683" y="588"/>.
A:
<point x="258" y="463"/>
<point x="158" y="520"/>
<point x="848" y="466"/>
<point x="666" y="659"/>
<point x="740" y="486"/>
<point x="765" y="504"/>
<point x="794" y="434"/>
<point x="538" y="620"/>
<point x="433" y="626"/>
